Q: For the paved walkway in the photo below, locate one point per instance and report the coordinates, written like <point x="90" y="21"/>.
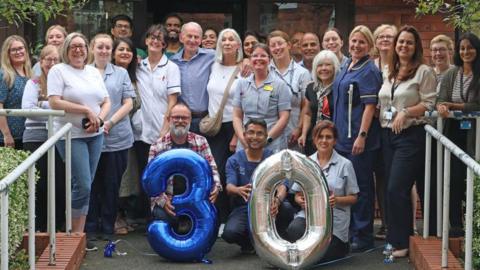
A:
<point x="224" y="256"/>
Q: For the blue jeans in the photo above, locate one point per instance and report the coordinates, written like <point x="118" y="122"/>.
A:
<point x="85" y="156"/>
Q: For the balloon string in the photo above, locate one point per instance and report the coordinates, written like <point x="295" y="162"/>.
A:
<point x="133" y="247"/>
<point x="348" y="257"/>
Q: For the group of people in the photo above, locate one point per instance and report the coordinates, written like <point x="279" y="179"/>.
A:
<point x="359" y="116"/>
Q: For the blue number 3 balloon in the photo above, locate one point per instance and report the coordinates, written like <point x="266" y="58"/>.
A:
<point x="193" y="203"/>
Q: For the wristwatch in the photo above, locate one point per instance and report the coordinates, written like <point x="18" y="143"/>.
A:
<point x="363" y="134"/>
<point x="269" y="140"/>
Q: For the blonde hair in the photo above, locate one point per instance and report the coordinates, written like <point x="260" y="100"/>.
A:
<point x="6" y="65"/>
<point x="58" y="27"/>
<point x="442" y="38"/>
<point x="379" y="30"/>
<point x="365" y="31"/>
<point x="91" y="57"/>
<point x="42" y="80"/>
<point x="66" y="46"/>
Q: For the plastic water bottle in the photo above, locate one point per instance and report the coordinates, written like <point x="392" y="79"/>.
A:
<point x="388" y="254"/>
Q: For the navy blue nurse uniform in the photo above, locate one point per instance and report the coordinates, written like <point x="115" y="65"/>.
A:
<point x="366" y="80"/>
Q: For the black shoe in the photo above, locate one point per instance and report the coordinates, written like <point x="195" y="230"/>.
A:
<point x="107" y="237"/>
<point x="356" y="247"/>
<point x="381" y="234"/>
<point x="91" y="246"/>
<point x="248" y="250"/>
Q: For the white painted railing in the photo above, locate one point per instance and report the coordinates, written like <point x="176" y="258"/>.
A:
<point x="29" y="165"/>
<point x="448" y="147"/>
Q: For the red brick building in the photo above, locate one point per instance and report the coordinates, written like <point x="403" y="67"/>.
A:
<point x="263" y="15"/>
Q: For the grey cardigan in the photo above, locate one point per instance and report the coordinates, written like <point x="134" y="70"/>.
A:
<point x="472" y="104"/>
<point x="446" y="88"/>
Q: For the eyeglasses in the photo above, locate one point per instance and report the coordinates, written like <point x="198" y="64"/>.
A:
<point x="16" y="50"/>
<point x="124" y="26"/>
<point x="389" y="37"/>
<point x="51" y="60"/>
<point x="155" y="37"/>
<point x="179" y="118"/>
<point x="74" y="47"/>
<point x="439" y="50"/>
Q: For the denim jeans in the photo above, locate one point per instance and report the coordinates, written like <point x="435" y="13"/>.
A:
<point x="85" y="155"/>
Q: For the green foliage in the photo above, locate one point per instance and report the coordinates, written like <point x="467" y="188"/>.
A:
<point x="476" y="224"/>
<point x="18" y="197"/>
<point x="18" y="11"/>
<point x="462" y="14"/>
<point x="19" y="261"/>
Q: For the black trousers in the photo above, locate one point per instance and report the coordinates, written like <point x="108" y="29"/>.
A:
<point x="219" y="145"/>
<point x="336" y="250"/>
<point x="404" y="156"/>
<point x="143" y="202"/>
<point x="236" y="229"/>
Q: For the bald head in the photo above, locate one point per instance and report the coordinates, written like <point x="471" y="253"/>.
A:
<point x="191" y="37"/>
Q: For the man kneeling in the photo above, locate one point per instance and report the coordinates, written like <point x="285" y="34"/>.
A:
<point x="179" y="137"/>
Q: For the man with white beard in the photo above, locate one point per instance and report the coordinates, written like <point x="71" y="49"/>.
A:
<point x="180" y="137"/>
<point x="173" y="23"/>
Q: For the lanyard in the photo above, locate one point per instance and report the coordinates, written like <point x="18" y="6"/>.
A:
<point x="461" y="87"/>
<point x="292" y="74"/>
<point x="394" y="87"/>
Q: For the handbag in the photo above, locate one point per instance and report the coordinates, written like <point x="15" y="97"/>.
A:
<point x="210" y="126"/>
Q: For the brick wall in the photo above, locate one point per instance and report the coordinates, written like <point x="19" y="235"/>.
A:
<point x="373" y="13"/>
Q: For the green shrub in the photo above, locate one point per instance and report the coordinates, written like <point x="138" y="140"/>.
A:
<point x="18" y="197"/>
<point x="476" y="224"/>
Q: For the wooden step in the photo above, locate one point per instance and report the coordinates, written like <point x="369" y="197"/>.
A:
<point x="426" y="254"/>
<point x="70" y="252"/>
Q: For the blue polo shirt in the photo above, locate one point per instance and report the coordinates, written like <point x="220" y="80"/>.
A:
<point x="367" y="80"/>
<point x="239" y="171"/>
<point x="194" y="77"/>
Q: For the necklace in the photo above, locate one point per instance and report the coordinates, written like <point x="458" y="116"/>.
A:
<point x="361" y="66"/>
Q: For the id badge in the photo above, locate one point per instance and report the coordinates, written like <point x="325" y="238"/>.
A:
<point x="465" y="124"/>
<point x="388" y="115"/>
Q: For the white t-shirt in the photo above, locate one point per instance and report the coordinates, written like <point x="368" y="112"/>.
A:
<point x="154" y="87"/>
<point x="217" y="83"/>
<point x="82" y="86"/>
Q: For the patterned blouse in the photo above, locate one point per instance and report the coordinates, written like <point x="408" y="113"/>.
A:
<point x="11" y="98"/>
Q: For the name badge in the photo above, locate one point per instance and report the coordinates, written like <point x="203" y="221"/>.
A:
<point x="388" y="115"/>
<point x="465" y="124"/>
<point x="268" y="87"/>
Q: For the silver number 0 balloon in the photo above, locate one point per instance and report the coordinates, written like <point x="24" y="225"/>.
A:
<point x="310" y="248"/>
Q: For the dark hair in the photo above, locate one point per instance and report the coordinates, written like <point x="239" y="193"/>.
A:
<point x="417" y="58"/>
<point x="157" y="28"/>
<point x="132" y="67"/>
<point x="172" y="15"/>
<point x="334" y="30"/>
<point x="122" y="17"/>
<point x="262" y="46"/>
<point x="260" y="37"/>
<point x="210" y="28"/>
<point x="256" y="121"/>
<point x="324" y="124"/>
<point x="457" y="60"/>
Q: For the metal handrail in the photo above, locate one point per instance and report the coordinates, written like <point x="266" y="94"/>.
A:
<point x="472" y="167"/>
<point x="29" y="165"/>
